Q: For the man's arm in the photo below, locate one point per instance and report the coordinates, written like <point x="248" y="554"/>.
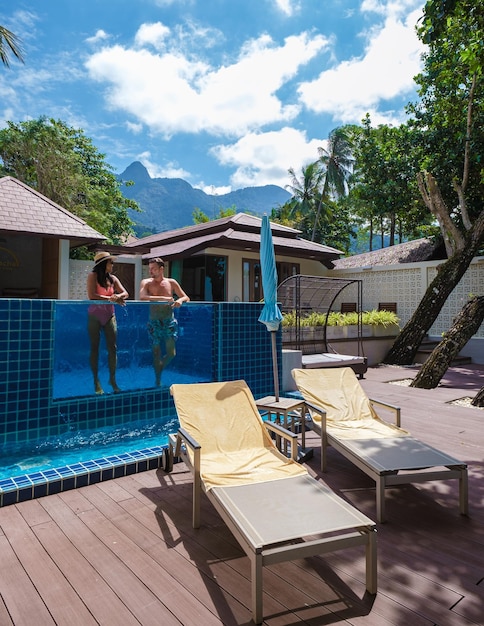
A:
<point x="143" y="290"/>
<point x="178" y="291"/>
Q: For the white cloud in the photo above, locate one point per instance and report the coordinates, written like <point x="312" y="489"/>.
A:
<point x="100" y="35"/>
<point x="169" y="170"/>
<point x="136" y="129"/>
<point x="154" y="34"/>
<point x="394" y="8"/>
<point x="212" y="190"/>
<point x="386" y="71"/>
<point x="167" y="3"/>
<point x="288" y="7"/>
<point x="173" y="93"/>
<point x="264" y="158"/>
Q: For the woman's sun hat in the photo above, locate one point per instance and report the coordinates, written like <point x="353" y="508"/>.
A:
<point x="102" y="256"/>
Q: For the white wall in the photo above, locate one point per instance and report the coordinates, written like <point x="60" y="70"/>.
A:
<point x="405" y="284"/>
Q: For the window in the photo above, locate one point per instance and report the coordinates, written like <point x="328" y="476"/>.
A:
<point x="252" y="278"/>
<point x="204" y="278"/>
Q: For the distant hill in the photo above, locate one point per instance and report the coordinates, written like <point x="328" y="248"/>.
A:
<point x="168" y="203"/>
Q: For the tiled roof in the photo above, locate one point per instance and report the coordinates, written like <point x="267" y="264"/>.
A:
<point x="25" y="211"/>
<point x="409" y="252"/>
<point x="238" y="222"/>
<point x="237" y="232"/>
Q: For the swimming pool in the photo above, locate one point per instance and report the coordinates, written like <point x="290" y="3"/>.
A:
<point x="46" y="394"/>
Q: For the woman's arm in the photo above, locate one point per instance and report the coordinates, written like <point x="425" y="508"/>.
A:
<point x="91" y="288"/>
<point x="119" y="289"/>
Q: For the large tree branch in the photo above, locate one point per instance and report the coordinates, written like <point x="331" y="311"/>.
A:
<point x="461" y="189"/>
<point x="430" y="192"/>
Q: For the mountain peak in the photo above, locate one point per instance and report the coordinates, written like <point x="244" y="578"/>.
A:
<point x="169" y="203"/>
<point x="136" y="172"/>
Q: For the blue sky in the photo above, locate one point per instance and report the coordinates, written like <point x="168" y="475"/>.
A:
<point x="222" y="93"/>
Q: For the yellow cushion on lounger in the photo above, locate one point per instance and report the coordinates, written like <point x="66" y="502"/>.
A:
<point x="242" y="452"/>
<point x="349" y="413"/>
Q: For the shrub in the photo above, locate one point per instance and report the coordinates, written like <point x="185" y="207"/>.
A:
<point x="374" y="317"/>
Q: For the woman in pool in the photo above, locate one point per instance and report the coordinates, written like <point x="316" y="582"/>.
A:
<point x="102" y="285"/>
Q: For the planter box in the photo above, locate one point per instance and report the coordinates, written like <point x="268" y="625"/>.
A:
<point x="374" y="347"/>
<point x="336" y="332"/>
<point x="391" y="330"/>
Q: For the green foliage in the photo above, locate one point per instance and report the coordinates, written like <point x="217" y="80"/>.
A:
<point x="313" y="208"/>
<point x="383" y="188"/>
<point x="450" y="112"/>
<point x="9" y="44"/>
<point x="199" y="217"/>
<point x="372" y="318"/>
<point x="62" y="163"/>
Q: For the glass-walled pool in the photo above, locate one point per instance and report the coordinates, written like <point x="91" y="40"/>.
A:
<point x="72" y="375"/>
<point x="57" y="433"/>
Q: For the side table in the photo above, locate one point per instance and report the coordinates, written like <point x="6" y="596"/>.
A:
<point x="282" y="409"/>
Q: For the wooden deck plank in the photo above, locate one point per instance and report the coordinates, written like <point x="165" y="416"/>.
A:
<point x="124" y="551"/>
<point x="61" y="599"/>
<point x="111" y="531"/>
<point x="109" y="589"/>
<point x="179" y="571"/>
<point x="5" y="618"/>
<point x="230" y="595"/>
<point x="208" y="538"/>
<point x="23" y="602"/>
<point x="313" y="575"/>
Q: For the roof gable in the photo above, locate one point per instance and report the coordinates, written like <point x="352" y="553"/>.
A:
<point x="241" y="222"/>
<point x="237" y="232"/>
<point x="26" y="211"/>
<point x="414" y="251"/>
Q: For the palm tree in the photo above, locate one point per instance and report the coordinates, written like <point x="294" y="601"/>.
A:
<point x="9" y="44"/>
<point x="336" y="166"/>
<point x="305" y="191"/>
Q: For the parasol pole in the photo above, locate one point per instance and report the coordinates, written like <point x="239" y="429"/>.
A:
<point x="274" y="365"/>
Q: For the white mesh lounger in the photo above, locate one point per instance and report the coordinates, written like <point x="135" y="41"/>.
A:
<point x="359" y="364"/>
<point x="346" y="419"/>
<point x="258" y="492"/>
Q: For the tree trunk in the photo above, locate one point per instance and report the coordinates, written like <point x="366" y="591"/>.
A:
<point x="449" y="274"/>
<point x="392" y="229"/>
<point x="465" y="325"/>
<point x="479" y="399"/>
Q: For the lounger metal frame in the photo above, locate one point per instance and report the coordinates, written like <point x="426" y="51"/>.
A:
<point x="386" y="472"/>
<point x="339" y="525"/>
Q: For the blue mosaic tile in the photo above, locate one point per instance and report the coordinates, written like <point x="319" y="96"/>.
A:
<point x="94" y="477"/>
<point x="7" y="484"/>
<point x="107" y="474"/>
<point x="40" y="490"/>
<point x="69" y="483"/>
<point x="31" y="413"/>
<point x="82" y="480"/>
<point x="10" y="497"/>
<point x="54" y="486"/>
<point x="25" y="494"/>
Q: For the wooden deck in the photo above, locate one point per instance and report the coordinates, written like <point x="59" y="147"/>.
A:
<point x="123" y="552"/>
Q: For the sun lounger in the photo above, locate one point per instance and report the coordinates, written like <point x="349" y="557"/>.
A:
<point x="274" y="508"/>
<point x="346" y="419"/>
<point x="359" y="364"/>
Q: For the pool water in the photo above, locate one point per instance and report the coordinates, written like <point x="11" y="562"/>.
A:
<point x="76" y="447"/>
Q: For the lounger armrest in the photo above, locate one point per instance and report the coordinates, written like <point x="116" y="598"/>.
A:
<point x="320" y="411"/>
<point x="396" y="409"/>
<point x="188" y="439"/>
<point x="285" y="434"/>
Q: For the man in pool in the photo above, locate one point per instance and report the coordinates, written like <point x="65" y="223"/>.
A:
<point x="162" y="326"/>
